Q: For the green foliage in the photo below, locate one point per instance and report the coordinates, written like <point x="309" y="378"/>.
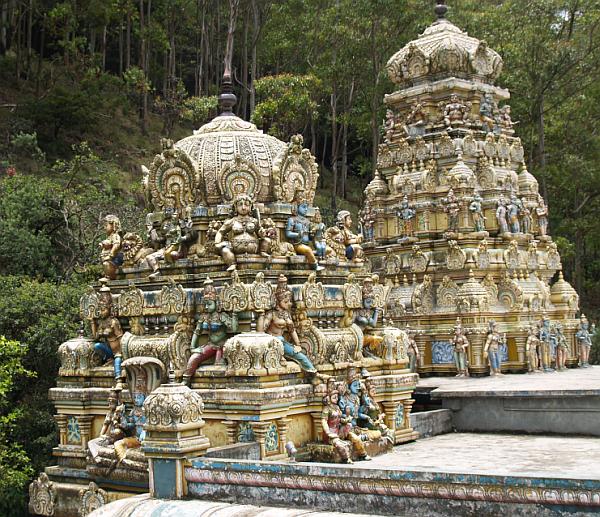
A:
<point x="199" y="110"/>
<point x="15" y="467"/>
<point x="171" y="106"/>
<point x="288" y="103"/>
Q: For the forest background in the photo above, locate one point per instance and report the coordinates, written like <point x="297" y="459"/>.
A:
<point x="88" y="88"/>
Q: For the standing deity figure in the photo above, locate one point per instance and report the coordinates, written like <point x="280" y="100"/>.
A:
<point x="416" y="120"/>
<point x="107" y="333"/>
<point x="455" y="112"/>
<point x="241" y="234"/>
<point x="514" y="209"/>
<point x="491" y="350"/>
<point x="170" y="235"/>
<point x="501" y="212"/>
<point x="389" y="125"/>
<point x="110" y="248"/>
<point x="351" y="241"/>
<point x="451" y="206"/>
<point x="366" y="221"/>
<point x="546" y="339"/>
<point x="406" y="213"/>
<point x="487" y="108"/>
<point x="279" y="323"/>
<point x="461" y="344"/>
<point x="412" y="351"/>
<point x="215" y="323"/>
<point x="584" y="338"/>
<point x="337" y="428"/>
<point x="297" y="231"/>
<point x="526" y="219"/>
<point x="317" y="231"/>
<point x="368" y="316"/>
<point x="532" y="349"/>
<point x="562" y="348"/>
<point x="476" y="209"/>
<point x="542" y="214"/>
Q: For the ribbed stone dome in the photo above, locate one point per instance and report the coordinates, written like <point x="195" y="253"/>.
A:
<point x="443" y="50"/>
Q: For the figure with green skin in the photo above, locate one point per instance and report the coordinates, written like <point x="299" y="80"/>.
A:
<point x="216" y="324"/>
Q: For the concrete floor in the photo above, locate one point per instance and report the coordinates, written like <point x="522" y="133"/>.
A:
<point x="555" y="457"/>
<point x="575" y="381"/>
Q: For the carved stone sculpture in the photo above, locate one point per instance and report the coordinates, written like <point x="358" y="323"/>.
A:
<point x="110" y="248"/>
<point x="491" y="349"/>
<point x="461" y="344"/>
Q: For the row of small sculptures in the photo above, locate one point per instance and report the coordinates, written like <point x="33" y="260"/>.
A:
<point x="545" y="343"/>
<point x="512" y="215"/>
<point x="244" y="233"/>
<point x="454" y="113"/>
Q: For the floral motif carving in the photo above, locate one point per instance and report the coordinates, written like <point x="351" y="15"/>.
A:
<point x="42" y="496"/>
<point x="235" y="295"/>
<point x="352" y="293"/>
<point x="173" y="408"/>
<point x="131" y="302"/>
<point x="91" y="498"/>
<point x="252" y="352"/>
<point x="446" y="292"/>
<point x="422" y="297"/>
<point x="261" y="293"/>
<point x="172" y="299"/>
<point x="418" y="260"/>
<point x="510" y="293"/>
<point x="455" y="256"/>
<point x="239" y="176"/>
<point x="295" y="169"/>
<point x="313" y="293"/>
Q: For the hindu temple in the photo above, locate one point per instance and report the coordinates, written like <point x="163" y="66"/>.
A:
<point x="242" y="349"/>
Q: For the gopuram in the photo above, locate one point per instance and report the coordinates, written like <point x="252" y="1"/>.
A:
<point x="238" y="318"/>
<point x="459" y="228"/>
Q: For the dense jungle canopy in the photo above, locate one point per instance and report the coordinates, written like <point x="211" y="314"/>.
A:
<point x="88" y="87"/>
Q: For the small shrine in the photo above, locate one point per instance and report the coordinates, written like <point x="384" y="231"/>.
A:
<point x="238" y="318"/>
<point x="458" y="229"/>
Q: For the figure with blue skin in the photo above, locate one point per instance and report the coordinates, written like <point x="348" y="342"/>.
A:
<point x="514" y="209"/>
<point x="367" y="317"/>
<point x="107" y="333"/>
<point x="216" y="324"/>
<point x="297" y="231"/>
<point x="406" y="213"/>
<point x="491" y="350"/>
<point x="584" y="338"/>
<point x="279" y="323"/>
<point x="547" y="339"/>
<point x="561" y="348"/>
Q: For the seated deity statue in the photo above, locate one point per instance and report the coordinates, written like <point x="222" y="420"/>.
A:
<point x="241" y="234"/>
<point x="297" y="231"/>
<point x="171" y="235"/>
<point x="107" y="333"/>
<point x="455" y="112"/>
<point x="216" y="324"/>
<point x="110" y="248"/>
<point x="279" y="323"/>
<point x="351" y="241"/>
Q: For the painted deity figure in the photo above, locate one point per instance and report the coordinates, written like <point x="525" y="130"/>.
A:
<point x="491" y="350"/>
<point x="241" y="234"/>
<point x="366" y="219"/>
<point x="514" y="209"/>
<point x="171" y="235"/>
<point x="297" y="231"/>
<point x="451" y="206"/>
<point x="368" y="316"/>
<point x="317" y="231"/>
<point x="562" y="348"/>
<point x="455" y="112"/>
<point x="532" y="350"/>
<point x="351" y="241"/>
<point x="412" y="351"/>
<point x="487" y="108"/>
<point x="501" y="212"/>
<point x="461" y="344"/>
<point x="279" y="323"/>
<point x="526" y="219"/>
<point x="337" y="428"/>
<point x="350" y="404"/>
<point x="110" y="248"/>
<point x="107" y="333"/>
<point x="406" y="213"/>
<point x="476" y="209"/>
<point x="505" y="119"/>
<point x="416" y="120"/>
<point x="375" y="417"/>
<point x="584" y="337"/>
<point x="542" y="216"/>
<point x="215" y="323"/>
<point x="547" y="340"/>
<point x="389" y="124"/>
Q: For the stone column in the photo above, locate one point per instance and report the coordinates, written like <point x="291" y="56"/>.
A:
<point x="282" y="428"/>
<point x="85" y="427"/>
<point x="61" y="421"/>
<point x="317" y="427"/>
<point x="421" y="341"/>
<point x="390" y="414"/>
<point x="173" y="436"/>
<point x="260" y="433"/>
<point x="231" y="429"/>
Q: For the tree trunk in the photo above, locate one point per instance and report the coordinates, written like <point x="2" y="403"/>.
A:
<point x="334" y="146"/>
<point x="244" y="78"/>
<point x="120" y="49"/>
<point x="104" y="48"/>
<point x="541" y="147"/>
<point x="128" y="41"/>
<point x="29" y="33"/>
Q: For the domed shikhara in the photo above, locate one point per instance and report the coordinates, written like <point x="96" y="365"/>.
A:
<point x="444" y="50"/>
<point x="226" y="157"/>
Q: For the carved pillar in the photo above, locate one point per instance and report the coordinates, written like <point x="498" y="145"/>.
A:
<point x="421" y="341"/>
<point x="172" y="437"/>
<point x="282" y="428"/>
<point x="317" y="427"/>
<point x="260" y="432"/>
<point x="390" y="414"/>
<point x="231" y="429"/>
<point x="408" y="404"/>
<point x="520" y="345"/>
<point x="85" y="427"/>
<point x="61" y="421"/>
<point x="476" y="352"/>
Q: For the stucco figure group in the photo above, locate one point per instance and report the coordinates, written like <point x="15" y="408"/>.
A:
<point x="515" y="215"/>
